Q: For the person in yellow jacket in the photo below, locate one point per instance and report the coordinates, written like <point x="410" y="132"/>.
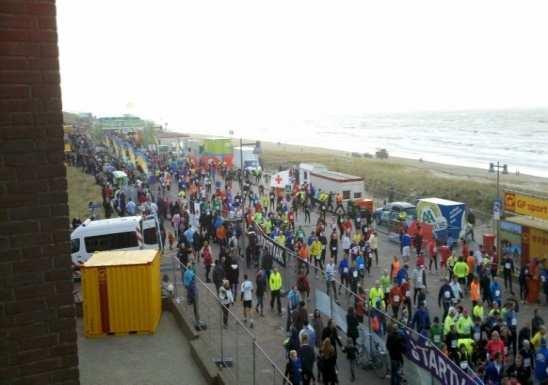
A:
<point x="280" y="240"/>
<point x="450" y="320"/>
<point x="450" y="264"/>
<point x="461" y="270"/>
<point x="464" y="325"/>
<point x="376" y="293"/>
<point x="316" y="254"/>
<point x="478" y="311"/>
<point x="275" y="284"/>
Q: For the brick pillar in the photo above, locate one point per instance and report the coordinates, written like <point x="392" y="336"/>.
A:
<point x="37" y="319"/>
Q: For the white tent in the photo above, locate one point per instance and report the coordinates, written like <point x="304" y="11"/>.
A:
<point x="280" y="180"/>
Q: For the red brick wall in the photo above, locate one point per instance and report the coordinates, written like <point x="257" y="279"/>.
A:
<point x="37" y="324"/>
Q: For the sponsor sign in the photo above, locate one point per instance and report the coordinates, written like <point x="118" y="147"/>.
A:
<point x="526" y="205"/>
<point x="442" y="369"/>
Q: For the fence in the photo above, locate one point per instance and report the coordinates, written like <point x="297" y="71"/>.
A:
<point x="233" y="347"/>
<point x="424" y="362"/>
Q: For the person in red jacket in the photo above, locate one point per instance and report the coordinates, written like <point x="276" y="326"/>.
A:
<point x="495" y="345"/>
<point x="395" y="299"/>
<point x="207" y="257"/>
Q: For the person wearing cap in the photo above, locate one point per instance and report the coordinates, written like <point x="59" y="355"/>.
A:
<point x="449" y="320"/>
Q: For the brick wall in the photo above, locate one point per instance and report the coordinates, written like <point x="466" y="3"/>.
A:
<point x="37" y="324"/>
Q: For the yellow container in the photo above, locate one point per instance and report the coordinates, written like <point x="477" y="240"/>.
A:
<point x="121" y="292"/>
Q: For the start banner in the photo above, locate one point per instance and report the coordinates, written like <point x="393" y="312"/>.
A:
<point x="443" y="371"/>
<point x="526" y="205"/>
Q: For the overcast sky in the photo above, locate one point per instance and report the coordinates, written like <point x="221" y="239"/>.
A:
<point x="228" y="63"/>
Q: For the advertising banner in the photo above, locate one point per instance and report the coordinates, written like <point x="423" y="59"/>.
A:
<point x="526" y="205"/>
<point x="447" y="218"/>
<point x="278" y="253"/>
<point x="441" y="368"/>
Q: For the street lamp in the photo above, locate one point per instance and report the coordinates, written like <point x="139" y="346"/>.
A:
<point x="496" y="211"/>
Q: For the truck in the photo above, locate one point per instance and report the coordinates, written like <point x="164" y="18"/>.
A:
<point x="448" y="218"/>
<point x="249" y="158"/>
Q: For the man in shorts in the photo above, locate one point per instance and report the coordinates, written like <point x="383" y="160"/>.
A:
<point x="246" y="291"/>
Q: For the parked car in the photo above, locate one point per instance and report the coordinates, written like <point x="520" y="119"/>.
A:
<point x="394" y="211"/>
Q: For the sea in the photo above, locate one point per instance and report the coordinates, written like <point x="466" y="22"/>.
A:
<point x="518" y="138"/>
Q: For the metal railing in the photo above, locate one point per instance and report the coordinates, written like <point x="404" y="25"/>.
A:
<point x="232" y="345"/>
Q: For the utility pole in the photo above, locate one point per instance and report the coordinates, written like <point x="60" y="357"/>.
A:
<point x="241" y="168"/>
<point x="504" y="168"/>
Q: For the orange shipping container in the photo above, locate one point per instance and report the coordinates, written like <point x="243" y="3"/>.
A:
<point x="121" y="292"/>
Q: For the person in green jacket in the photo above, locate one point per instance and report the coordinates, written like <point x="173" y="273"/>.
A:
<point x="436" y="332"/>
<point x="450" y="319"/>
<point x="461" y="270"/>
<point x="386" y="285"/>
<point x="464" y="325"/>
<point x="375" y="293"/>
<point x="275" y="284"/>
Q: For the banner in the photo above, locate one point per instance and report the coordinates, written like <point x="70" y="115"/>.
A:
<point x="279" y="253"/>
<point x="526" y="205"/>
<point x="441" y="368"/>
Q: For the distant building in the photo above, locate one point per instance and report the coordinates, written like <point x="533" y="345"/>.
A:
<point x="171" y="139"/>
<point x="125" y="123"/>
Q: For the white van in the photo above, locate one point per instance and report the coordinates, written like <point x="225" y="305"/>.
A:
<point x="113" y="234"/>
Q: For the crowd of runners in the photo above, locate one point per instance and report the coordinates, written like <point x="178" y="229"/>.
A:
<point x="479" y="326"/>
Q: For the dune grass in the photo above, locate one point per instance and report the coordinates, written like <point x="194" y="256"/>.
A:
<point x="408" y="183"/>
<point x="81" y="190"/>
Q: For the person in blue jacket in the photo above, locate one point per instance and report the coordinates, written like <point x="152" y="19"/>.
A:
<point x="494" y="371"/>
<point x="403" y="274"/>
<point x="496" y="292"/>
<point x="421" y="319"/>
<point x="541" y="363"/>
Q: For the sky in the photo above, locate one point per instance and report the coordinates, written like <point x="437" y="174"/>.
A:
<point x="225" y="65"/>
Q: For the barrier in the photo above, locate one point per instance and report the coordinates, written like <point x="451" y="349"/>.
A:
<point x="234" y="347"/>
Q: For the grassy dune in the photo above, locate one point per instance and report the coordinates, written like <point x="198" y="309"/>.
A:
<point x="81" y="190"/>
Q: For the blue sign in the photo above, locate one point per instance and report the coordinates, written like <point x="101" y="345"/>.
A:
<point x="510" y="227"/>
<point x="497" y="205"/>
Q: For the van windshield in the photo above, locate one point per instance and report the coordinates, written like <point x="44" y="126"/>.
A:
<point x="111" y="241"/>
